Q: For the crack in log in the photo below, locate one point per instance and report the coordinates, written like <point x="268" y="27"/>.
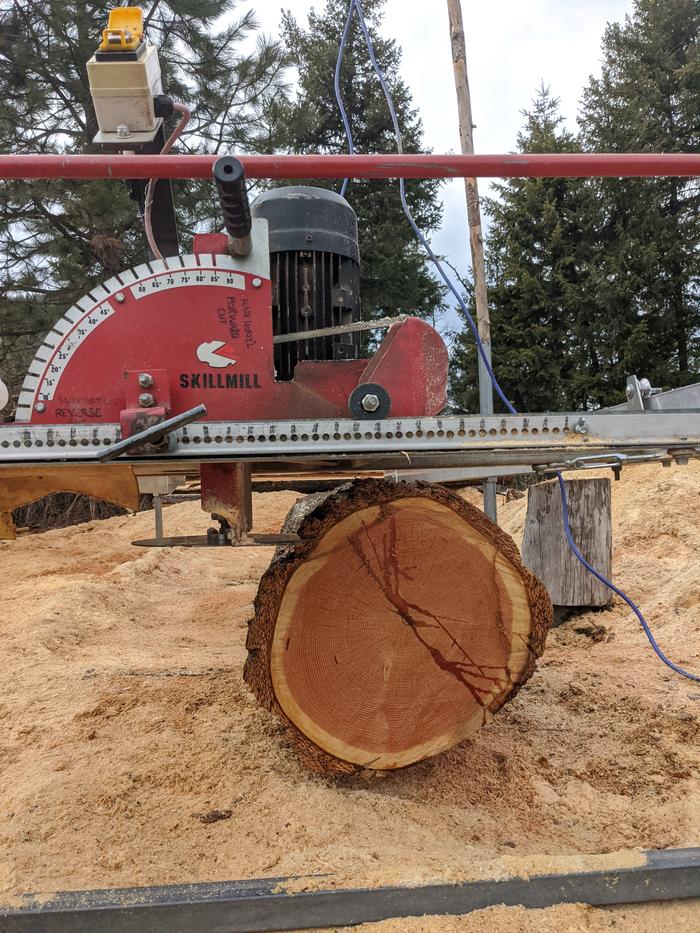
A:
<point x="500" y="625"/>
<point x="405" y="610"/>
<point x="480" y="669"/>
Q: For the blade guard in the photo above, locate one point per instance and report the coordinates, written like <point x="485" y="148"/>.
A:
<point x="201" y="327"/>
<point x="425" y="389"/>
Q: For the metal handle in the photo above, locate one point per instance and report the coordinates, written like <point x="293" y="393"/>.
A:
<point x="154" y="433"/>
<point x="230" y="184"/>
<point x="614" y="460"/>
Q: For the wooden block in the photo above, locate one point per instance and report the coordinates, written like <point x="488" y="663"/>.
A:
<point x="545" y="549"/>
<point x="114" y="483"/>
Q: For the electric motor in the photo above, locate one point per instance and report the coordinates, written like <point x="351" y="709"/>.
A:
<point x="315" y="272"/>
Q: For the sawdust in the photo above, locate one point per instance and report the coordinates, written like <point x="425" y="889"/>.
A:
<point x="124" y="718"/>
<point x="491" y="868"/>
<point x="682" y="917"/>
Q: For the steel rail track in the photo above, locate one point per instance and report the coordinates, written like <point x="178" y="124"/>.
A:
<point x="263" y="905"/>
<point x="455" y="435"/>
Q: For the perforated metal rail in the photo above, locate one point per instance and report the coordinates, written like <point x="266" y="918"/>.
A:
<point x="540" y="435"/>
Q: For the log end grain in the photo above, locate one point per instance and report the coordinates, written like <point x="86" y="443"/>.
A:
<point x="395" y="629"/>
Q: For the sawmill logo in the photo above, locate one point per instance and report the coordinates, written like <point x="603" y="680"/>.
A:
<point x="218" y="354"/>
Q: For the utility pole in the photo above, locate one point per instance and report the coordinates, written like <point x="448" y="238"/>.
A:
<point x="466" y="136"/>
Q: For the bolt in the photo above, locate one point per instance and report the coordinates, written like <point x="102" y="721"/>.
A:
<point x="309" y="238"/>
<point x="120" y="297"/>
<point x="40" y="407"/>
<point x="581" y="427"/>
<point x="644" y="388"/>
<point x="145" y="380"/>
<point x="123" y="131"/>
<point x="146" y="400"/>
<point x="256" y="283"/>
<point x="370" y="402"/>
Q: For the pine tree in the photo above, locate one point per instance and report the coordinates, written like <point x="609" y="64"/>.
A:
<point x="538" y="252"/>
<point x="58" y="238"/>
<point x="648" y="99"/>
<point x="395" y="275"/>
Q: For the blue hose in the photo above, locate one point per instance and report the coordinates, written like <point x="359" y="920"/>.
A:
<point x="355" y="6"/>
<point x="338" y="96"/>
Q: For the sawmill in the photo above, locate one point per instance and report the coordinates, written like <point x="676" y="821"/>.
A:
<point x="396" y="618"/>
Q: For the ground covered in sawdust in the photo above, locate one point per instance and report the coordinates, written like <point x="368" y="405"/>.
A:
<point x="681" y="917"/>
<point x="131" y="751"/>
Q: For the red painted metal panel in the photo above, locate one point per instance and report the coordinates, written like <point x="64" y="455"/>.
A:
<point x="215" y="343"/>
<point x="411" y="347"/>
<point x="226" y="491"/>
<point x="204" y="335"/>
<point x="538" y="165"/>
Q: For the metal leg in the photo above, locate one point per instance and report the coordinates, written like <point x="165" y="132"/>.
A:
<point x="490" y="506"/>
<point x="158" y="509"/>
<point x="486" y="408"/>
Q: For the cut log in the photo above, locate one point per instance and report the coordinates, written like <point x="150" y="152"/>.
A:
<point x="398" y="625"/>
<point x="545" y="549"/>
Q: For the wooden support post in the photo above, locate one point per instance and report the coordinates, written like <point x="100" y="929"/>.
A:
<point x="397" y="626"/>
<point x="476" y="242"/>
<point x="8" y="532"/>
<point x="545" y="549"/>
<point x="158" y="512"/>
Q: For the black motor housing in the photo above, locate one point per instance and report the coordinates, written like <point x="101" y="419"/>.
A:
<point x="315" y="272"/>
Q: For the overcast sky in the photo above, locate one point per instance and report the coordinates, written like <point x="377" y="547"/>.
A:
<point x="511" y="47"/>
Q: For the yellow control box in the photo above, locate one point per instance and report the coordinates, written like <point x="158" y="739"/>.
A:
<point x="124" y="76"/>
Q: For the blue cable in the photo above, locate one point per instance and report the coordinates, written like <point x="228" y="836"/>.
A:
<point x="336" y="87"/>
<point x="356" y="6"/>
<point x="611" y="586"/>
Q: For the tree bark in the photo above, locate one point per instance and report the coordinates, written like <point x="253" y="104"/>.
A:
<point x="394" y="630"/>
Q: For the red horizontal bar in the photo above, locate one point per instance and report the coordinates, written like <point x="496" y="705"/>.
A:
<point x="545" y="165"/>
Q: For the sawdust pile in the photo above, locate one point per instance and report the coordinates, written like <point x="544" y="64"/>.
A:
<point x="132" y="752"/>
<point x="680" y="916"/>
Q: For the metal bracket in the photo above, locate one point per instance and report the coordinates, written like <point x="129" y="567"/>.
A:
<point x="615" y="461"/>
<point x="637" y="391"/>
<point x="152" y="435"/>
